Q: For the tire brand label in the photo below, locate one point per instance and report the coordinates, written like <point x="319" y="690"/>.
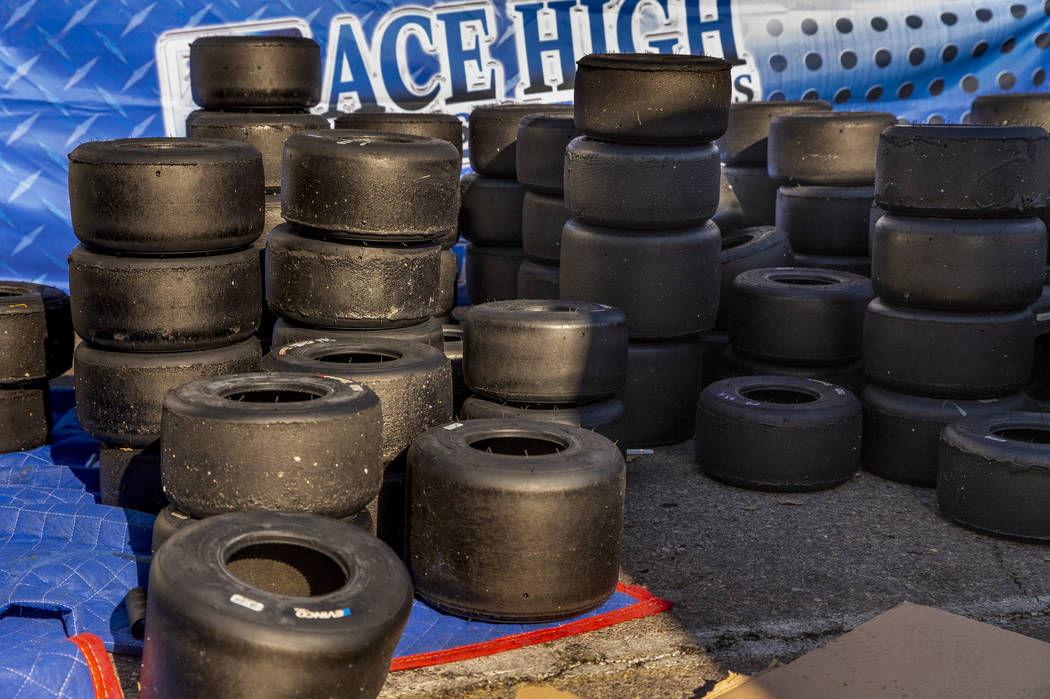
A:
<point x="1040" y="317"/>
<point x="321" y="613"/>
<point x="737" y="399"/>
<point x="454" y="426"/>
<point x="284" y="350"/>
<point x="247" y="603"/>
<point x="995" y="439"/>
<point x="342" y="379"/>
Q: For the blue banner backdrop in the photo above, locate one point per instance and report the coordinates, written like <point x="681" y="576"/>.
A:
<point x="73" y="71"/>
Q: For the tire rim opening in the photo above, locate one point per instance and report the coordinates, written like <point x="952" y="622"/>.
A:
<point x="357" y="357"/>
<point x="518" y="446"/>
<point x="272" y="395"/>
<point x="1029" y="435"/>
<point x="292" y="570"/>
<point x="805" y="281"/>
<point x="780" y="396"/>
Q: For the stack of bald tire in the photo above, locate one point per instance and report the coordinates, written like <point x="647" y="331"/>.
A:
<point x="36" y="344"/>
<point x="958" y="258"/>
<point x="743" y="150"/>
<point x="825" y="164"/>
<point x="491" y="215"/>
<point x="444" y="127"/>
<point x="542" y="139"/>
<point x="1026" y="109"/>
<point x="641" y="186"/>
<point x="256" y="89"/>
<point x="165" y="288"/>
<point x="359" y="256"/>
<point x="553" y="361"/>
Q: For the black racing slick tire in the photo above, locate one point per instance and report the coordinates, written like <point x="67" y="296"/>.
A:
<point x="514" y="520"/>
<point x="993" y="474"/>
<point x="537" y="281"/>
<point x="166" y="195"/>
<point x="165" y="304"/>
<point x="119" y="394"/>
<point x="25" y="414"/>
<point x="826" y="220"/>
<point x="130" y="478"/>
<point x="543" y="217"/>
<point x="947" y="353"/>
<point x="36" y="332"/>
<point x="325" y="283"/>
<point x="959" y="264"/>
<point x="490" y="212"/>
<point x="266" y="132"/>
<point x="535" y="351"/>
<point x="281" y="604"/>
<point x="746" y="140"/>
<point x="492" y="132"/>
<point x="344" y="182"/>
<point x="902" y="431"/>
<point x="749" y="248"/>
<point x="263" y="441"/>
<point x="652" y="98"/>
<point x="542" y="139"/>
<point x="643" y="187"/>
<point x="826" y="148"/>
<point x="667" y="282"/>
<point x="255" y="72"/>
<point x="963" y="171"/>
<point x="413" y="381"/>
<point x="659" y="398"/>
<point x="777" y="433"/>
<point x="491" y="272"/>
<point x="444" y="127"/>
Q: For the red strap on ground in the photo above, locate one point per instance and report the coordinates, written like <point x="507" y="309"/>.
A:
<point x="647" y="604"/>
<point x="103" y="674"/>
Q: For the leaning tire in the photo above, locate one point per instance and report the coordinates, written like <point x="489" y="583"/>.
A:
<point x="652" y="99"/>
<point x="492" y="272"/>
<point x="444" y="127"/>
<point x="428" y="332"/>
<point x="606" y="417"/>
<point x="253" y="72"/>
<point x="993" y="474"/>
<point x="826" y="220"/>
<point x="281" y="604"/>
<point x="776" y="433"/>
<point x="413" y="381"/>
<point x="789" y="315"/>
<point x="902" y="431"/>
<point x="320" y="282"/>
<point x="964" y="171"/>
<point x="493" y="135"/>
<point x="25" y="413"/>
<point x="646" y="187"/>
<point x="958" y="264"/>
<point x="343" y="182"/>
<point x="264" y="132"/>
<point x="534" y="351"/>
<point x="165" y="304"/>
<point x="552" y="551"/>
<point x="665" y="281"/>
<point x="749" y="248"/>
<point x="263" y="441"/>
<point x="36" y="332"/>
<point x="166" y="195"/>
<point x="826" y="148"/>
<point x="945" y="353"/>
<point x="119" y="394"/>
